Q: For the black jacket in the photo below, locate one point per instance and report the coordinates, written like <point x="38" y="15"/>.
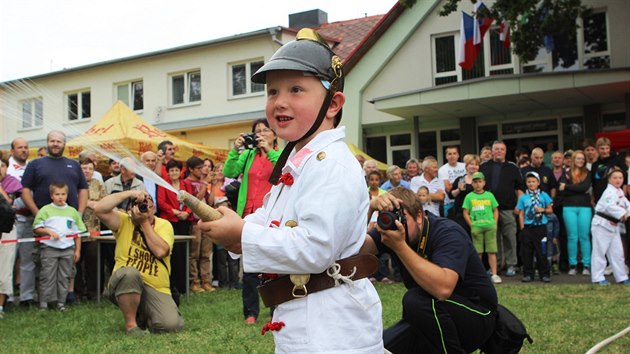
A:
<point x="508" y="183"/>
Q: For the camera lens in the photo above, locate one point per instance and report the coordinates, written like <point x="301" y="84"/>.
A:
<point x="144" y="207"/>
<point x="386" y="220"/>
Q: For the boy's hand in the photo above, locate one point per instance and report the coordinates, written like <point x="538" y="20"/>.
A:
<point x="53" y="235"/>
<point x="77" y="256"/>
<point x="225" y="231"/>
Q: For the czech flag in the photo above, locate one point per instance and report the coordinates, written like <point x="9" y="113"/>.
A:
<point x="467" y="49"/>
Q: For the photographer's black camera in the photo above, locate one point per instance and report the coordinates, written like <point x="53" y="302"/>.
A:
<point x="387" y="219"/>
<point x="143" y="207"/>
<point x="249" y="141"/>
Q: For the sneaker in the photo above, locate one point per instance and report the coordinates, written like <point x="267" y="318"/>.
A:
<point x="386" y="280"/>
<point x="61" y="308"/>
<point x="546" y="279"/>
<point x="373" y="280"/>
<point x="27" y="303"/>
<point x="71" y="298"/>
<point x="608" y="270"/>
<point x="215" y="283"/>
<point x="586" y="271"/>
<point x="208" y="287"/>
<point x="195" y="288"/>
<point x="625" y="282"/>
<point x="603" y="282"/>
<point x="572" y="271"/>
<point x="555" y="269"/>
<point x="511" y="271"/>
<point x="526" y="279"/>
<point x="496" y="279"/>
<point x="250" y="320"/>
<point x="1" y="315"/>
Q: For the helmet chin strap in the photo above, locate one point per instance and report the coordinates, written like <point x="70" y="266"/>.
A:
<point x="282" y="160"/>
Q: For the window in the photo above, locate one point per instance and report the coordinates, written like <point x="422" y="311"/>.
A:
<point x="572" y="133"/>
<point x="596" y="51"/>
<point x="445" y="66"/>
<point x="32" y="113"/>
<point x="78" y="105"/>
<point x="500" y="56"/>
<point x="132" y="94"/>
<point x="241" y="83"/>
<point x="186" y="88"/>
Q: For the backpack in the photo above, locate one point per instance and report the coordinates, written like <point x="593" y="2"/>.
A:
<point x="509" y="334"/>
<point x="7" y="216"/>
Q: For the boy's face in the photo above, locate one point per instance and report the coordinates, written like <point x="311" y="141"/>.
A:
<point x="59" y="196"/>
<point x="423" y="195"/>
<point x="478" y="184"/>
<point x="374" y="181"/>
<point x="616" y="179"/>
<point x="532" y="183"/>
<point x="293" y="102"/>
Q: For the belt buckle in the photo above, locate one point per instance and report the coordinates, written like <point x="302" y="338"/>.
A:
<point x="299" y="284"/>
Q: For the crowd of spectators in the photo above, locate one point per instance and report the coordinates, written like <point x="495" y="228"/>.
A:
<point x="546" y="206"/>
<point x="542" y="209"/>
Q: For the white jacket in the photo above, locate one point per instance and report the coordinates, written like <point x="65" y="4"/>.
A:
<point x="329" y="204"/>
<point x="612" y="203"/>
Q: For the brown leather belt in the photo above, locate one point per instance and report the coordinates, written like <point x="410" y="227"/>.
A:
<point x="277" y="291"/>
<point x="24" y="212"/>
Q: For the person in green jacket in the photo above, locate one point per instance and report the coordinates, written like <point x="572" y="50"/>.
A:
<point x="253" y="157"/>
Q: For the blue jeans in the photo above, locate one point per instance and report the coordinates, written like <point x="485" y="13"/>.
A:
<point x="577" y="222"/>
<point x="553" y="230"/>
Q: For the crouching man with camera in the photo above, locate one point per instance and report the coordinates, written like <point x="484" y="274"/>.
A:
<point x="450" y="300"/>
<point x="139" y="283"/>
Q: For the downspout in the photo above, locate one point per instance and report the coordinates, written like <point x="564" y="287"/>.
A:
<point x="274" y="38"/>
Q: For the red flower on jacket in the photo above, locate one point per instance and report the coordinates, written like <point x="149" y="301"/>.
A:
<point x="286" y="179"/>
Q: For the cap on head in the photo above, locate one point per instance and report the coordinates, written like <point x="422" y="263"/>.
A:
<point x="309" y="53"/>
<point x="478" y="175"/>
<point x="532" y="174"/>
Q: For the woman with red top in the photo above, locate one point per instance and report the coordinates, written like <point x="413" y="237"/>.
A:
<point x="255" y="162"/>
<point x="172" y="209"/>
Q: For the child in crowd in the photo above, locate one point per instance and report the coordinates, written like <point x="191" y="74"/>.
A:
<point x="482" y="215"/>
<point x="58" y="254"/>
<point x="374" y="181"/>
<point x="611" y="212"/>
<point x="532" y="208"/>
<point x="313" y="221"/>
<point x="423" y="194"/>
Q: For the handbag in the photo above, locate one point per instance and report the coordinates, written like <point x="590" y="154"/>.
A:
<point x="7" y="215"/>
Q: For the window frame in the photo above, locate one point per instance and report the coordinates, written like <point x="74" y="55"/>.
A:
<point x="131" y="92"/>
<point x="249" y="85"/>
<point x="187" y="91"/>
<point x="80" y="117"/>
<point x="32" y="102"/>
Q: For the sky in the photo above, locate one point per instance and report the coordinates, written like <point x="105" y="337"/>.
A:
<point x="41" y="36"/>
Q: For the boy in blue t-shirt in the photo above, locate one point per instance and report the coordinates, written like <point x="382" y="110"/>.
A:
<point x="57" y="255"/>
<point x="532" y="208"/>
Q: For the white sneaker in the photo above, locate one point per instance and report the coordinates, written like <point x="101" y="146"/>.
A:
<point x="496" y="279"/>
<point x="586" y="271"/>
<point x="608" y="270"/>
<point x="572" y="271"/>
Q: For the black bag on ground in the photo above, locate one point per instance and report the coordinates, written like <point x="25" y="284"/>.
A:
<point x="509" y="334"/>
<point x="7" y="215"/>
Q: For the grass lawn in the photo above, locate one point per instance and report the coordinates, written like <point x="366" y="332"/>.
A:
<point x="560" y="319"/>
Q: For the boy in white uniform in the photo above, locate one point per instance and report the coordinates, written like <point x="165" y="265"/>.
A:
<point x="315" y="218"/>
<point x="611" y="212"/>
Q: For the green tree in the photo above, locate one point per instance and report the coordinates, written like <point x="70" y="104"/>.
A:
<point x="530" y="22"/>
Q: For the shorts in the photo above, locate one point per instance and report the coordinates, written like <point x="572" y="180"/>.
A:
<point x="158" y="309"/>
<point x="484" y="239"/>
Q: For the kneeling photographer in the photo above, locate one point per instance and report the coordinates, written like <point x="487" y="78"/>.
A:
<point x="450" y="301"/>
<point x="139" y="283"/>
